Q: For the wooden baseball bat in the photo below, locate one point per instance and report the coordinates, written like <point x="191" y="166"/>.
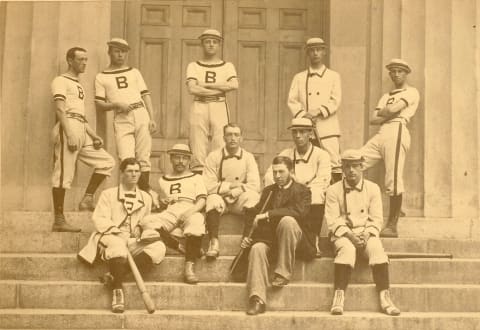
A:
<point x="149" y="305"/>
<point x="240" y="253"/>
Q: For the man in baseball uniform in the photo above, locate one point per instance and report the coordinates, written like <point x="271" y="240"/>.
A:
<point x="74" y="140"/>
<point x="209" y="80"/>
<point x="391" y="143"/>
<point x="316" y="94"/>
<point x="117" y="220"/>
<point x="122" y="89"/>
<point x="232" y="180"/>
<point x="353" y="211"/>
<point x="184" y="194"/>
<point x="311" y="167"/>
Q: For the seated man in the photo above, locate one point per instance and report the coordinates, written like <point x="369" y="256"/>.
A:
<point x="311" y="167"/>
<point x="232" y="180"/>
<point x="278" y="231"/>
<point x="353" y="211"/>
<point x="184" y="194"/>
<point x="117" y="221"/>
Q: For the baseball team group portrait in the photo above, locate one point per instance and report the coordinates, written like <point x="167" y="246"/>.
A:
<point x="240" y="164"/>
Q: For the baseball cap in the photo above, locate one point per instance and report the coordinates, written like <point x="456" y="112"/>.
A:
<point x="210" y="33"/>
<point x="398" y="63"/>
<point x="352" y="155"/>
<point x="301" y="123"/>
<point x="179" y="148"/>
<point x="119" y="43"/>
<point x="315" y="42"/>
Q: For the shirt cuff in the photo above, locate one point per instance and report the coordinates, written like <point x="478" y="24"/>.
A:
<point x="341" y="230"/>
<point x="372" y="230"/>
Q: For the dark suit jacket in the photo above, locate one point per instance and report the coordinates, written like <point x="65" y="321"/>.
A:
<point x="295" y="202"/>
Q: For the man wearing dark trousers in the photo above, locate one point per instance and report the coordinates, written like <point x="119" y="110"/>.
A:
<point x="353" y="211"/>
<point x="278" y="231"/>
<point x="117" y="219"/>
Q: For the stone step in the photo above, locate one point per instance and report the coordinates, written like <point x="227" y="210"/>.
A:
<point x="48" y="242"/>
<point x="233" y="296"/>
<point x="405" y="271"/>
<point x="213" y="320"/>
<point x="409" y="227"/>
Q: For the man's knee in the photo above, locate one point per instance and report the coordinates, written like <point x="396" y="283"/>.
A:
<point x="375" y="252"/>
<point x="156" y="251"/>
<point x="288" y="223"/>
<point x="345" y="252"/>
<point x="259" y="249"/>
<point x="195" y="225"/>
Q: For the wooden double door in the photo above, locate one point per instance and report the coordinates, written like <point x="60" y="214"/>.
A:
<point x="263" y="39"/>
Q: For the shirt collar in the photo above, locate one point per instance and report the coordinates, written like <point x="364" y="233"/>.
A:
<point x="305" y="158"/>
<point x="138" y="200"/>
<point x="318" y="72"/>
<point x="348" y="188"/>
<point x="288" y="185"/>
<point x="237" y="155"/>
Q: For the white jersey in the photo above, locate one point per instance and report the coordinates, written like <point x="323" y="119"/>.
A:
<point x="409" y="95"/>
<point x="211" y="73"/>
<point x="124" y="85"/>
<point x="68" y="89"/>
<point x="189" y="187"/>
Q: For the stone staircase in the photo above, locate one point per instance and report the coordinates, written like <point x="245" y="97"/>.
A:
<point x="44" y="286"/>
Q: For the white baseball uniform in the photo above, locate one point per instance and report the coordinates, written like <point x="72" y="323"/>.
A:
<point x="392" y="141"/>
<point x="318" y="92"/>
<point x="131" y="129"/>
<point x="70" y="91"/>
<point x="209" y="114"/>
<point x="355" y="209"/>
<point x="223" y="169"/>
<point x="312" y="169"/>
<point x="184" y="190"/>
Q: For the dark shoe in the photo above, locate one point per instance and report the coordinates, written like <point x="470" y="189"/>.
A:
<point x="107" y="280"/>
<point x="213" y="249"/>
<point x="87" y="203"/>
<point x="389" y="232"/>
<point x="279" y="281"/>
<point x="256" y="306"/>
<point x="189" y="273"/>
<point x="61" y="225"/>
<point x="118" y="301"/>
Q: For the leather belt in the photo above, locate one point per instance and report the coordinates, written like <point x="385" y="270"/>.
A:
<point x="208" y="99"/>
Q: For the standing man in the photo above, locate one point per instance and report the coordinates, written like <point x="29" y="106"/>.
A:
<point x="391" y="143"/>
<point x="121" y="88"/>
<point x="353" y="211"/>
<point x="117" y="222"/>
<point x="279" y="230"/>
<point x="184" y="194"/>
<point x="311" y="167"/>
<point x="316" y="94"/>
<point x="74" y="140"/>
<point x="208" y="81"/>
<point x="232" y="180"/>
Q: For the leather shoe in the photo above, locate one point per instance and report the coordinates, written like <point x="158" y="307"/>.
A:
<point x="256" y="306"/>
<point x="279" y="281"/>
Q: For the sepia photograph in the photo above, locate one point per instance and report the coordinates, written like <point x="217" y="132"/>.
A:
<point x="240" y="164"/>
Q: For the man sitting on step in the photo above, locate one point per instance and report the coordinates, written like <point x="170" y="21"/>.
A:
<point x="184" y="194"/>
<point x="117" y="222"/>
<point x="353" y="211"/>
<point x="232" y="180"/>
<point x="279" y="231"/>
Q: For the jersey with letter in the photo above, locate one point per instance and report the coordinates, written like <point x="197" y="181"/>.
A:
<point x="409" y="95"/>
<point x="124" y="85"/>
<point x="211" y="73"/>
<point x="189" y="187"/>
<point x="70" y="91"/>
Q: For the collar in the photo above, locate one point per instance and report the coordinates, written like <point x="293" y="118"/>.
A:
<point x="317" y="72"/>
<point x="285" y="187"/>
<point x="397" y="90"/>
<point x="70" y="78"/>
<point x="138" y="204"/>
<point x="306" y="157"/>
<point x="238" y="155"/>
<point x="348" y="188"/>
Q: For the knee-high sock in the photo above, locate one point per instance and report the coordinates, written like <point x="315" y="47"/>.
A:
<point x="144" y="181"/>
<point x="342" y="276"/>
<point x="58" y="195"/>
<point x="213" y="222"/>
<point x="144" y="262"/>
<point x="395" y="207"/>
<point x="117" y="267"/>
<point x="95" y="180"/>
<point x="192" y="248"/>
<point x="380" y="276"/>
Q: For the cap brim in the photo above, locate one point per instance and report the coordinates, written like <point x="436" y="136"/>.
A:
<point x="178" y="151"/>
<point x="300" y="127"/>
<point x="357" y="160"/>
<point x="118" y="45"/>
<point x="315" y="45"/>
<point x="212" y="36"/>
<point x="400" y="66"/>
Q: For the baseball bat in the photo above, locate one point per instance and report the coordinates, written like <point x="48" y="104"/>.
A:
<point x="149" y="305"/>
<point x="242" y="250"/>
<point x="418" y="255"/>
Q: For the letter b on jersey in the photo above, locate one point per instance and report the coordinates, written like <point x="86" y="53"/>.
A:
<point x="175" y="188"/>
<point x="121" y="82"/>
<point x="210" y="76"/>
